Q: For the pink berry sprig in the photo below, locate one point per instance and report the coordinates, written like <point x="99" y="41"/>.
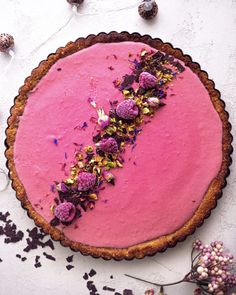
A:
<point x="211" y="270"/>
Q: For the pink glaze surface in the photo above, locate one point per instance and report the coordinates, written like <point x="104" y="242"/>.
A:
<point x="164" y="178"/>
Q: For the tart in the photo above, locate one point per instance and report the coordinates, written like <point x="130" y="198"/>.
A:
<point x="118" y="145"/>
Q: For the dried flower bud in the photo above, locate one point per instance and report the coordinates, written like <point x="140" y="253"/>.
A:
<point x="147" y="80"/>
<point x="108" y="145"/>
<point x="154" y="102"/>
<point x="103" y="119"/>
<point x="127" y="109"/>
<point x="86" y="181"/>
<point x="65" y="212"/>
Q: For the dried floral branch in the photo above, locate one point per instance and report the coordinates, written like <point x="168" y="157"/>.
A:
<point x="211" y="270"/>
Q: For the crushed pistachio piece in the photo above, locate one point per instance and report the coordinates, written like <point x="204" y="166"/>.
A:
<point x="93" y="197"/>
<point x="88" y="149"/>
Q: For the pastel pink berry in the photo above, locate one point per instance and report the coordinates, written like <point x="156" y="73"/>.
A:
<point x="86" y="181"/>
<point x="147" y="80"/>
<point x="65" y="212"/>
<point x="127" y="109"/>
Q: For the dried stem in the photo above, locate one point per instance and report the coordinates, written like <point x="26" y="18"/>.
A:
<point x="184" y="280"/>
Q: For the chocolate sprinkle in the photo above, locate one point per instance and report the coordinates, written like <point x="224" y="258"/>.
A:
<point x="85" y="276"/>
<point x="0" y="260"/>
<point x="128" y="292"/>
<point x="23" y="259"/>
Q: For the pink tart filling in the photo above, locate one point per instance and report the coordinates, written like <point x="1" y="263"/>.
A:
<point x="164" y="177"/>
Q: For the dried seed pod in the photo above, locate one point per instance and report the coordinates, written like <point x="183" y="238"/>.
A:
<point x="148" y="9"/>
<point x="75" y="2"/>
<point x="6" y="42"/>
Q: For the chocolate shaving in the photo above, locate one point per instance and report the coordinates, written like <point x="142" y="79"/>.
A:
<point x="48" y="256"/>
<point x="10" y="229"/>
<point x="69" y="259"/>
<point x="35" y="240"/>
<point x="69" y="267"/>
<point x="105" y="288"/>
<point x="55" y="221"/>
<point x="92" y="273"/>
<point x="128" y="80"/>
<point x="91" y="286"/>
<point x="37" y="265"/>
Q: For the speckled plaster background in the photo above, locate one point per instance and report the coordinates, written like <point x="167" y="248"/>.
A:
<point x="205" y="29"/>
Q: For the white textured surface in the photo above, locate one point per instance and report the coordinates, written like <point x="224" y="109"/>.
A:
<point x="206" y="30"/>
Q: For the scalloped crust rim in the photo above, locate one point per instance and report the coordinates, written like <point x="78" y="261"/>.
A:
<point x="210" y="198"/>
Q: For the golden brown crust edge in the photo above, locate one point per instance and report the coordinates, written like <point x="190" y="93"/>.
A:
<point x="213" y="193"/>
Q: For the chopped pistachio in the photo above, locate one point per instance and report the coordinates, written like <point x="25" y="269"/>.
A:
<point x="146" y="111"/>
<point x="80" y="164"/>
<point x="79" y="156"/>
<point x="119" y="164"/>
<point x="52" y="208"/>
<point x="93" y="197"/>
<point x="88" y="149"/>
<point x="111" y="164"/>
<point x="70" y="181"/>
